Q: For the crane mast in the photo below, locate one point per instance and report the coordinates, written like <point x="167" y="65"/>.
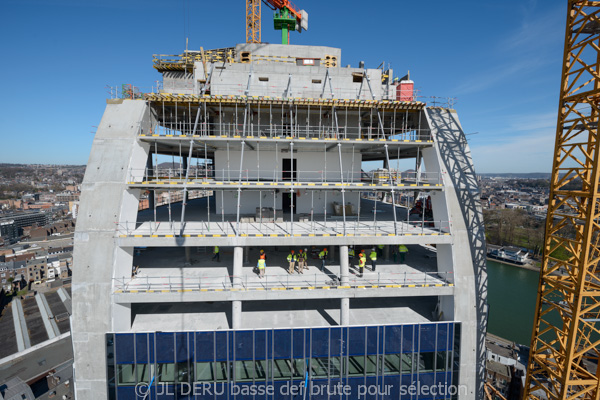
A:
<point x="565" y="334"/>
<point x="286" y="17"/>
<point x="253" y="21"/>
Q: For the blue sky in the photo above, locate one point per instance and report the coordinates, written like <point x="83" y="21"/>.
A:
<point x="501" y="60"/>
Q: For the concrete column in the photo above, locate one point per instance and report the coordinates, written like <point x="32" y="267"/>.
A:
<point x="150" y="173"/>
<point x="344" y="268"/>
<point x="188" y="255"/>
<point x="121" y="317"/>
<point x="236" y="314"/>
<point x="183" y="171"/>
<point x="344" y="278"/>
<point x="247" y="256"/>
<point x="236" y="306"/>
<point x="386" y="252"/>
<point x="345" y="311"/>
<point x="237" y="266"/>
<point x="332" y="253"/>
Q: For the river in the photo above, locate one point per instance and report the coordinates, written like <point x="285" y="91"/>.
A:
<point x="512" y="293"/>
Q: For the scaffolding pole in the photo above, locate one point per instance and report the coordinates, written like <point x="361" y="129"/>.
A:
<point x="343" y="194"/>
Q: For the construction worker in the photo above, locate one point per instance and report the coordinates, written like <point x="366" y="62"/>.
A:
<point x="362" y="259"/>
<point x="292" y="260"/>
<point x="262" y="254"/>
<point x="301" y="261"/>
<point x="216" y="254"/>
<point x="322" y="257"/>
<point x="380" y="250"/>
<point x="261" y="265"/>
<point x="373" y="257"/>
<point x="402" y="250"/>
<point x="351" y="255"/>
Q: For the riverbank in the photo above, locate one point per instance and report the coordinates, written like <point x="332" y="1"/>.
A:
<point x="530" y="267"/>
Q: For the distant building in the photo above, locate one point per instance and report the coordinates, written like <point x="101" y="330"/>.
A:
<point x="11" y="225"/>
<point x="12" y="270"/>
<point x="499" y="376"/>
<point x="37" y="269"/>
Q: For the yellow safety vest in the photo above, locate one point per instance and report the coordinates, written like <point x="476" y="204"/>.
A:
<point x="351" y="252"/>
<point x="216" y="250"/>
<point x="373" y="255"/>
<point x="362" y="261"/>
<point x="291" y="257"/>
<point x="402" y="249"/>
<point x="261" y="264"/>
<point x="322" y="255"/>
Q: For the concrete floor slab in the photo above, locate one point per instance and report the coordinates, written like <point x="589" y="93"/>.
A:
<point x="204" y="220"/>
<point x="165" y="269"/>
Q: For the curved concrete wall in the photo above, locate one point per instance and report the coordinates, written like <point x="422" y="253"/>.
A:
<point x="461" y="202"/>
<point x="105" y="200"/>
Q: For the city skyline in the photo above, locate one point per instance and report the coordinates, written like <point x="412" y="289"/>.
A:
<point x="500" y="61"/>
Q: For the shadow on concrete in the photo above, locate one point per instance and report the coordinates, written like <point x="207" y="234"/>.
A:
<point x="456" y="156"/>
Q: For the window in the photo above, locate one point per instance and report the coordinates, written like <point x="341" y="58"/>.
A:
<point x="335" y="367"/>
<point x="440" y="362"/>
<point x="166" y="372"/>
<point x="260" y="370"/>
<point x="406" y="363"/>
<point x="126" y="375"/>
<point x="282" y="369"/>
<point x="211" y="371"/>
<point x="426" y="362"/>
<point x="244" y="371"/>
<point x="143" y="373"/>
<point x="298" y="368"/>
<point x="183" y="372"/>
<point x="391" y="364"/>
<point x="356" y="366"/>
<point x="319" y="367"/>
<point x="371" y="366"/>
<point x="204" y="372"/>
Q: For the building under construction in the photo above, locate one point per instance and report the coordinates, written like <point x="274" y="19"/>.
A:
<point x="271" y="139"/>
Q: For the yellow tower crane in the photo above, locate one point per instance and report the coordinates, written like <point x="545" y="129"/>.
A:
<point x="566" y="334"/>
<point x="253" y="21"/>
<point x="286" y="17"/>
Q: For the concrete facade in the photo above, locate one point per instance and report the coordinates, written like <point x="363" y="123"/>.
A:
<point x="115" y="289"/>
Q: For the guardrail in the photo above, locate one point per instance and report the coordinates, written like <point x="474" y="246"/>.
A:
<point x="318" y="177"/>
<point x="279" y="282"/>
<point x="292" y="130"/>
<point x="282" y="228"/>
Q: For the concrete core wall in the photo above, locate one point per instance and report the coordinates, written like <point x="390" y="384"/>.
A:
<point x="105" y="199"/>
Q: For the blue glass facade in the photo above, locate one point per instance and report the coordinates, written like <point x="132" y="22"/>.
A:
<point x="357" y="362"/>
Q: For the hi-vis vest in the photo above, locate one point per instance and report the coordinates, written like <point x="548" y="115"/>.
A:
<point x="373" y="255"/>
<point x="302" y="256"/>
<point x="361" y="261"/>
<point x="322" y="255"/>
<point x="291" y="257"/>
<point x="216" y="250"/>
<point x="261" y="264"/>
<point x="351" y="252"/>
<point x="402" y="249"/>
